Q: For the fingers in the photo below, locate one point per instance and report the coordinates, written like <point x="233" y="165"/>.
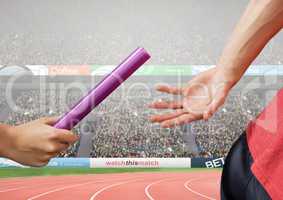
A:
<point x="166" y="105"/>
<point x="41" y="157"/>
<point x="55" y="148"/>
<point x="64" y="136"/>
<point x="182" y="119"/>
<point x="49" y="120"/>
<point x="61" y="135"/>
<point x="167" y="116"/>
<point x="169" y="89"/>
<point x="41" y="162"/>
<point x="50" y="151"/>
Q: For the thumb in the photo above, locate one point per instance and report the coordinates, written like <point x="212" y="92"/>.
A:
<point x="217" y="100"/>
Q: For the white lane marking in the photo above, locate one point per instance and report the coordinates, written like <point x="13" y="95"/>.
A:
<point x="12" y="189"/>
<point x="108" y="187"/>
<point x="23" y="187"/>
<point x="55" y="190"/>
<point x="146" y="190"/>
<point x="60" y="189"/>
<point x="186" y="184"/>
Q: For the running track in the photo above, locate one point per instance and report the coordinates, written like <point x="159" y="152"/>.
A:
<point x="203" y="185"/>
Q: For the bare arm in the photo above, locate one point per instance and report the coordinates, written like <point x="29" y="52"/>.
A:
<point x="207" y="91"/>
<point x="261" y="20"/>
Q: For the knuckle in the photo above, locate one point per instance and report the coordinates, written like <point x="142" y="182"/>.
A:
<point x="54" y="134"/>
<point x="51" y="148"/>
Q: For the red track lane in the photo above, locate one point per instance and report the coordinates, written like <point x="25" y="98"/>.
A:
<point x="85" y="191"/>
<point x="31" y="187"/>
<point x="210" y="183"/>
<point x="18" y="182"/>
<point x="174" y="188"/>
<point x="128" y="190"/>
<point x="137" y="186"/>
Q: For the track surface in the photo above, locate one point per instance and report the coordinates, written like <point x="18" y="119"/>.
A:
<point x="202" y="185"/>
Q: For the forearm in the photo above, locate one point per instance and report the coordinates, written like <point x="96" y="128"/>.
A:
<point x="260" y="22"/>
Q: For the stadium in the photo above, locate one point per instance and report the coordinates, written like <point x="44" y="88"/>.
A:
<point x="118" y="136"/>
<point x="52" y="53"/>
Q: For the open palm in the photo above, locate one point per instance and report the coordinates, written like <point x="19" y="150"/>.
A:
<point x="200" y="99"/>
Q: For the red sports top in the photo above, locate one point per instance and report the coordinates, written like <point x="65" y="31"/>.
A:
<point x="265" y="141"/>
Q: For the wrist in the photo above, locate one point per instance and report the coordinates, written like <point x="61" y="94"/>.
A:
<point x="230" y="75"/>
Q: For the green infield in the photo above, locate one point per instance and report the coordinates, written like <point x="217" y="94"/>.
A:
<point x="24" y="172"/>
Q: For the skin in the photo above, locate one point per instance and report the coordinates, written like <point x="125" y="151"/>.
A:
<point x="34" y="143"/>
<point x="202" y="96"/>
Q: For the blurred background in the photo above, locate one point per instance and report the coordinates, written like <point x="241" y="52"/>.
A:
<point x="88" y="35"/>
<point x="103" y="32"/>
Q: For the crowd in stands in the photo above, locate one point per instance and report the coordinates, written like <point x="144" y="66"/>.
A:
<point x="120" y="125"/>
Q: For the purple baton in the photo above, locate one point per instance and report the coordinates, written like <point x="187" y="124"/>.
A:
<point x="103" y="89"/>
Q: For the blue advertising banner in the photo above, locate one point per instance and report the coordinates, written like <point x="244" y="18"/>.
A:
<point x="69" y="162"/>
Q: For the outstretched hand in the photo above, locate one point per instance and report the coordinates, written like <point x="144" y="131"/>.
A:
<point x="199" y="99"/>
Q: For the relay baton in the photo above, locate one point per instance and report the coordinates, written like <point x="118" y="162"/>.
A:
<point x="104" y="88"/>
